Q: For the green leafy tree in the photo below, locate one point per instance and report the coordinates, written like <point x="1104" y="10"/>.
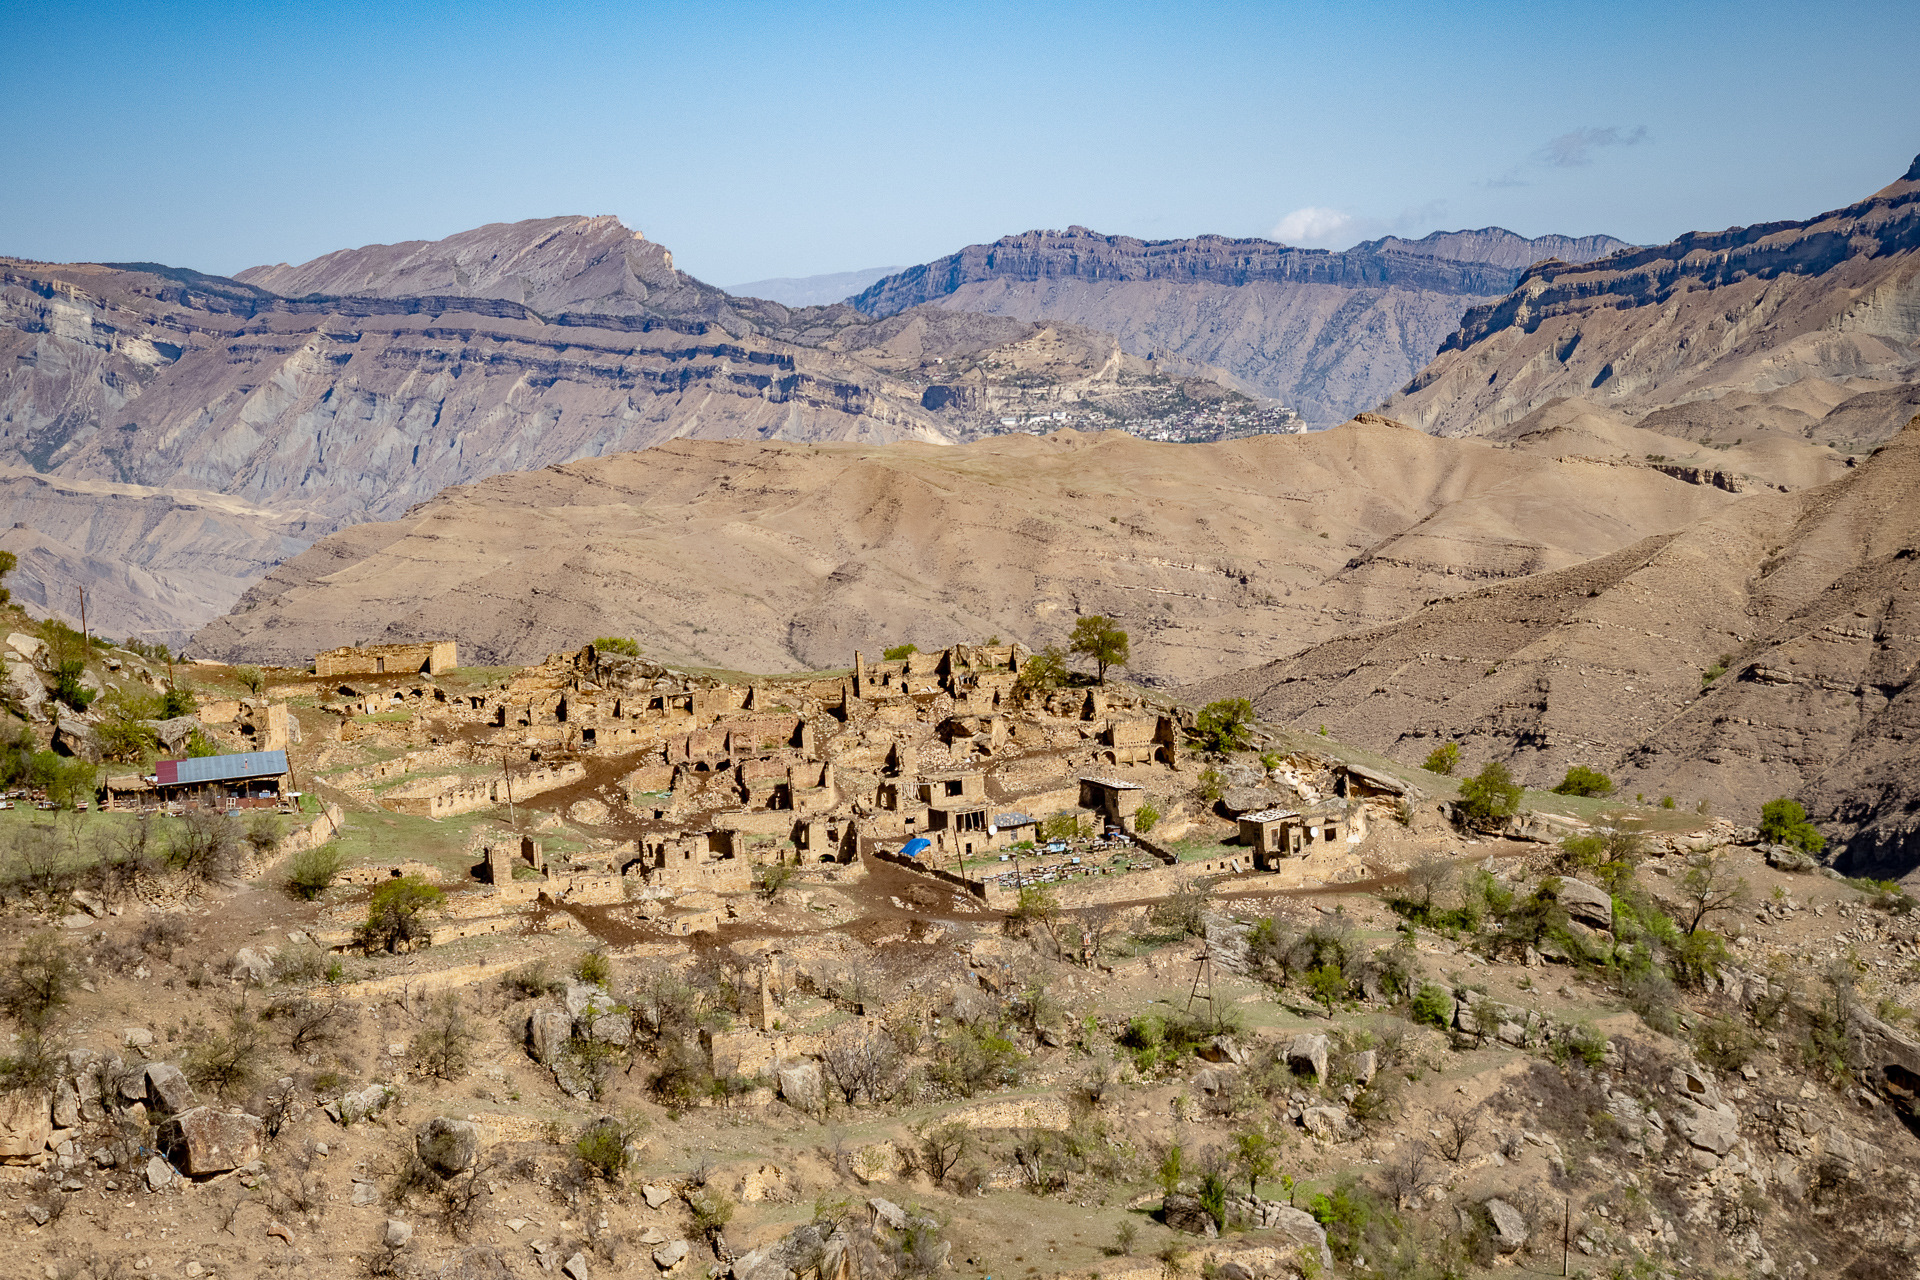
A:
<point x="1257" y="1155"/>
<point x="1097" y="639"/>
<point x="1784" y="821"/>
<point x="1490" y="796"/>
<point x="1042" y="673"/>
<point x="1582" y="781"/>
<point x="313" y="870"/>
<point x="8" y="563"/>
<point x="177" y="701"/>
<point x="38" y="982"/>
<point x="1212" y="784"/>
<point x="899" y="651"/>
<point x="395" y="914"/>
<point x="1145" y="818"/>
<point x="1327" y="984"/>
<point x="1223" y="725"/>
<point x="1170" y="1173"/>
<point x="252" y="679"/>
<point x="625" y="646"/>
<point x="1443" y="759"/>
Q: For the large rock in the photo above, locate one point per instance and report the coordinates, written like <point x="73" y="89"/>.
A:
<point x="548" y="1031"/>
<point x="1784" y="857"/>
<point x="800" y="1085"/>
<point x="447" y="1146"/>
<point x="1589" y="905"/>
<point x="25" y="689"/>
<point x="1708" y="1128"/>
<point x="1509" y="1226"/>
<point x="26" y="1122"/>
<point x="361" y="1104"/>
<point x="202" y="1140"/>
<point x="159" y="1174"/>
<point x="252" y="966"/>
<point x="1308" y="1053"/>
<point x="77" y="739"/>
<point x="1185" y="1213"/>
<point x="165" y="1088"/>
<point x="1271" y="1215"/>
<point x="669" y="1256"/>
<point x="1329" y="1123"/>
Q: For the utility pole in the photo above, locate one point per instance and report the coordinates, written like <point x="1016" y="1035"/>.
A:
<point x="508" y="775"/>
<point x="1566" y="1232"/>
<point x="86" y="641"/>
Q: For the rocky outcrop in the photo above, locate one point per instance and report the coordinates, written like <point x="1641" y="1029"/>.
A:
<point x="202" y="1140"/>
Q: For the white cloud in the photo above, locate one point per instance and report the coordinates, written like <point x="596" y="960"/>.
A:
<point x="1313" y="227"/>
<point x="1572" y="150"/>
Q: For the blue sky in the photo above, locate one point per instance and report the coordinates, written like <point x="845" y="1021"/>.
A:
<point x="788" y="139"/>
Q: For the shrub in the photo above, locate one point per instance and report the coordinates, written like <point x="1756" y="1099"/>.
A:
<point x="35" y="1064"/>
<point x="1433" y="1006"/>
<point x="38" y="982"/>
<point x="622" y="645"/>
<point x="1724" y="1044"/>
<point x="313" y="870"/>
<point x="394" y="915"/>
<point x="1582" y="781"/>
<point x="1443" y="759"/>
<point x="1222" y="725"/>
<point x="444" y="1044"/>
<point x="227" y="1061"/>
<point x="252" y="679"/>
<point x="1212" y="784"/>
<point x="1784" y="821"/>
<point x="594" y="967"/>
<point x="973" y="1058"/>
<point x="1489" y="797"/>
<point x="204" y="844"/>
<point x="711" y="1209"/>
<point x="899" y="651"/>
<point x="1061" y="826"/>
<point x="1145" y="818"/>
<point x="263" y="832"/>
<point x="602" y="1147"/>
<point x="772" y="878"/>
<point x="1043" y="672"/>
<point x="1327" y="984"/>
<point x="531" y="979"/>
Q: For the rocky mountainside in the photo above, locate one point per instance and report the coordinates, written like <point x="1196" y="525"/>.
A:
<point x="773" y="556"/>
<point x="1769" y="648"/>
<point x="320" y="411"/>
<point x="1746" y="310"/>
<point x="1327" y="333"/>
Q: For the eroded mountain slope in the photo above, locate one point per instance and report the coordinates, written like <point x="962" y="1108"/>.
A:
<point x="1769" y="649"/>
<point x="776" y="556"/>
<point x="1750" y="309"/>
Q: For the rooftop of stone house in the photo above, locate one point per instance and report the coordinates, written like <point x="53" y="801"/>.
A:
<point x="1269" y="815"/>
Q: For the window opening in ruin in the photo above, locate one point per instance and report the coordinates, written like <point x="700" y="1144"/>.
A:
<point x="380" y="666"/>
<point x="955" y="787"/>
<point x="586" y="736"/>
<point x="976" y="821"/>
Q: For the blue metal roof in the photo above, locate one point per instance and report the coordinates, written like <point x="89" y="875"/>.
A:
<point x="230" y="768"/>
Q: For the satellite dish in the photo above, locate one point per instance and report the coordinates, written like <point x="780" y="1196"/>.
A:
<point x="992" y="830"/>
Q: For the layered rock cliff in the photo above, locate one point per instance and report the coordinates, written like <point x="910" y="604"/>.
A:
<point x="1327" y="333"/>
<point x="1746" y="310"/>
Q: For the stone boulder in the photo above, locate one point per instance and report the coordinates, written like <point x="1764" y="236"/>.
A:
<point x="361" y="1104"/>
<point x="252" y="966"/>
<point x="77" y="739"/>
<point x="1328" y="1123"/>
<point x="548" y="1031"/>
<point x="1587" y="904"/>
<point x="25" y="689"/>
<point x="1270" y="1215"/>
<point x="447" y="1146"/>
<point x="161" y="1085"/>
<point x="26" y="1122"/>
<point x="1509" y="1226"/>
<point x="159" y="1174"/>
<point x="1185" y="1213"/>
<point x="1713" y="1129"/>
<point x="1308" y="1053"/>
<point x="201" y="1140"/>
<point x="1784" y="857"/>
<point x="801" y="1086"/>
<point x="670" y="1255"/>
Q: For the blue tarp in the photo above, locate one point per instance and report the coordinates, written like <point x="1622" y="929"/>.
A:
<point x="913" y="847"/>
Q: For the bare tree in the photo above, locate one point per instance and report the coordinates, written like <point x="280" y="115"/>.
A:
<point x="205" y="844"/>
<point x="309" y="1023"/>
<point x="861" y="1062"/>
<point x="1457" y="1126"/>
<point x="942" y="1147"/>
<point x="1709" y="888"/>
<point x="1097" y="928"/>
<point x="1428" y="877"/>
<point x="1410" y="1175"/>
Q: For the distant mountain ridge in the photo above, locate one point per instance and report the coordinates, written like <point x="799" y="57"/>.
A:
<point x="1327" y="333"/>
<point x="811" y="291"/>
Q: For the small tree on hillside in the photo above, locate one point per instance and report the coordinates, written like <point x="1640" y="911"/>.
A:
<point x="1443" y="759"/>
<point x="1582" y="781"/>
<point x="1784" y="821"/>
<point x="8" y="563"/>
<point x="1042" y="673"/>
<point x="1490" y="796"/>
<point x="1096" y="637"/>
<point x="1222" y="726"/>
<point x="1710" y="887"/>
<point x="394" y="914"/>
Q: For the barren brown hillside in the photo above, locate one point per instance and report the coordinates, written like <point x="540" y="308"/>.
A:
<point x="772" y="556"/>
<point x="1768" y="649"/>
